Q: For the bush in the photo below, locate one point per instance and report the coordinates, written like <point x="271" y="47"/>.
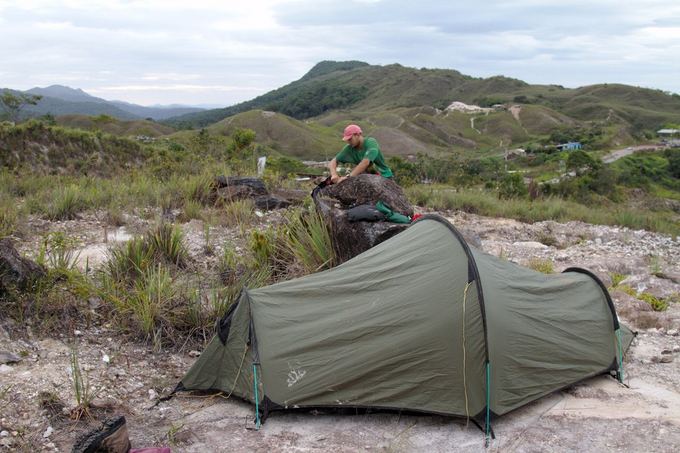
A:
<point x="512" y="186"/>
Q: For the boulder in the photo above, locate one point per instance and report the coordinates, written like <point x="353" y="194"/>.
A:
<point x="234" y="188"/>
<point x="237" y="188"/>
<point x="16" y="271"/>
<point x="369" y="189"/>
<point x="352" y="238"/>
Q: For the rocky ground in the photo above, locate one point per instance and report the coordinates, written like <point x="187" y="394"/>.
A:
<point x="36" y="390"/>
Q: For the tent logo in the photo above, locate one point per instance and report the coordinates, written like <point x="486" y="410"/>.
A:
<point x="295" y="374"/>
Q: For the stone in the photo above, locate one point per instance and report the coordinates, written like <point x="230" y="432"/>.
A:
<point x="369" y="189"/>
<point x="530" y="245"/>
<point x="674" y="277"/>
<point x="48" y="432"/>
<point x="352" y="238"/>
<point x="8" y="357"/>
<point x="269" y="202"/>
<point x="234" y="188"/>
<point x="194" y="353"/>
<point x="5" y="369"/>
<point x="15" y="270"/>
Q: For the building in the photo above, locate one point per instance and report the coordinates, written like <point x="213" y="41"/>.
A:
<point x="570" y="146"/>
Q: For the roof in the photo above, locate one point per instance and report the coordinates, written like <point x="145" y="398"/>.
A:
<point x="668" y="131"/>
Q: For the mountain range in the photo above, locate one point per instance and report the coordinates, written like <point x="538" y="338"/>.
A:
<point x="62" y="100"/>
<point x="408" y="110"/>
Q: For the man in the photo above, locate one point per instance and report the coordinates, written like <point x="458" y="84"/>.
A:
<point x="361" y="151"/>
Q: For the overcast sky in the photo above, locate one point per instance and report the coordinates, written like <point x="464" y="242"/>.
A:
<point x="223" y="52"/>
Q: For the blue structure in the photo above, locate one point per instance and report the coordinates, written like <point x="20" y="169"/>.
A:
<point x="571" y="146"/>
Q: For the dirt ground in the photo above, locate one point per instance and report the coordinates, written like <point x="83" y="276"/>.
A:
<point x="596" y="415"/>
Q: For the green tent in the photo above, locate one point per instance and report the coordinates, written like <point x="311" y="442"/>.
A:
<point x="420" y="322"/>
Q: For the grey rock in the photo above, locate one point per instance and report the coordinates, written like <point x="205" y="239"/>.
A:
<point x="270" y="202"/>
<point x="8" y="357"/>
<point x="15" y="270"/>
<point x="353" y="238"/>
<point x="369" y="189"/>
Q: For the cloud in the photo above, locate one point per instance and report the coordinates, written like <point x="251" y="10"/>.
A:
<point x="163" y="51"/>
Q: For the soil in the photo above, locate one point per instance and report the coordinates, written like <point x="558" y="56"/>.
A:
<point x="595" y="415"/>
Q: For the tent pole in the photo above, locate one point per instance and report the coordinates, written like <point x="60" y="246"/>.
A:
<point x="487" y="424"/>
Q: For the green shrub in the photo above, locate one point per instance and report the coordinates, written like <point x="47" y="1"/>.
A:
<point x="512" y="186"/>
<point x="8" y="216"/>
<point x="541" y="265"/>
<point x="656" y="303"/>
<point x="128" y="261"/>
<point x="239" y="213"/>
<point x="66" y="203"/>
<point x="167" y="243"/>
<point x="308" y="239"/>
<point x="617" y="279"/>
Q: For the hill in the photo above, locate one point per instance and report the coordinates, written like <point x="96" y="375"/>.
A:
<point x="114" y="126"/>
<point x="365" y="91"/>
<point x="62" y="100"/>
<point x="41" y="148"/>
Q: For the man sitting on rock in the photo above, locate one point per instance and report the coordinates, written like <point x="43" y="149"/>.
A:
<point x="363" y="152"/>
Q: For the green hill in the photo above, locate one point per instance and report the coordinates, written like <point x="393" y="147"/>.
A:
<point x="115" y="126"/>
<point x="371" y="91"/>
<point x="42" y="148"/>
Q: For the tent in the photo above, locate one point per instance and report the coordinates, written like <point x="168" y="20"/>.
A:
<point x="420" y="322"/>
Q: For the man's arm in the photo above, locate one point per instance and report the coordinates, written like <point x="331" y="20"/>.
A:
<point x="333" y="167"/>
<point x="359" y="169"/>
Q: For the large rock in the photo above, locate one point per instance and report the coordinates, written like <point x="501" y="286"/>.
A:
<point x="16" y="271"/>
<point x="369" y="189"/>
<point x="234" y="188"/>
<point x="352" y="238"/>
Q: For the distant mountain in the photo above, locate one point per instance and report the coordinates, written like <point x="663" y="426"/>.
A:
<point x="66" y="94"/>
<point x="62" y="100"/>
<point x="335" y="86"/>
<point x="160" y="112"/>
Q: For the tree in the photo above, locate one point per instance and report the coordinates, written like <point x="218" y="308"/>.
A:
<point x="12" y="103"/>
<point x="581" y="162"/>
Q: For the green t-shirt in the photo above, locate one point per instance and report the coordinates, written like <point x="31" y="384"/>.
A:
<point x="369" y="150"/>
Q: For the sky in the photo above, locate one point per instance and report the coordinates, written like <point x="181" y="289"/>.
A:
<point x="223" y="52"/>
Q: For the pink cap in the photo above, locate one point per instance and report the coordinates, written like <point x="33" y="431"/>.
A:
<point x="351" y="130"/>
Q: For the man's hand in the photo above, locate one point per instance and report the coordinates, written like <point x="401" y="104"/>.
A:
<point x="337" y="179"/>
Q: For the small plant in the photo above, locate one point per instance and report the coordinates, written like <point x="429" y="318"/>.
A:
<point x="654" y="264"/>
<point x="308" y="239"/>
<point x="128" y="261"/>
<point x="66" y="204"/>
<point x="239" y="213"/>
<point x="192" y="209"/>
<point x="84" y="394"/>
<point x="617" y="279"/>
<point x="50" y="402"/>
<point x="152" y="298"/>
<point x="262" y="245"/>
<point x="8" y="216"/>
<point x="628" y="290"/>
<point x="167" y="242"/>
<point x="541" y="265"/>
<point x="172" y="434"/>
<point x="4" y="391"/>
<point x="656" y="303"/>
<point x="58" y="252"/>
<point x="208" y="247"/>
<point x="548" y="239"/>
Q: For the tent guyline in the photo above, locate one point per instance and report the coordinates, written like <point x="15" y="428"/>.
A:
<point x="421" y="322"/>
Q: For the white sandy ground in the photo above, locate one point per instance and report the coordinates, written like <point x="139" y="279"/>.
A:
<point x="596" y="415"/>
